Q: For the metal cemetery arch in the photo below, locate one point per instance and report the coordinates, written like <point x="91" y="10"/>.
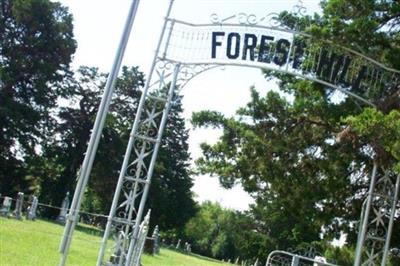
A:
<point x="185" y="50"/>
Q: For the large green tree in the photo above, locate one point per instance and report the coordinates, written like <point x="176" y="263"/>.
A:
<point x="55" y="172"/>
<point x="225" y="234"/>
<point x="36" y="48"/>
<point x="170" y="197"/>
<point x="306" y="159"/>
<point x="62" y="156"/>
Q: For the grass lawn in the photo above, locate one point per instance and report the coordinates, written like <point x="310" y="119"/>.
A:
<point x="36" y="244"/>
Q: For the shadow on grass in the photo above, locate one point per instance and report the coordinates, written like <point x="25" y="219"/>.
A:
<point x="202" y="257"/>
<point x="84" y="228"/>
<point x="197" y="256"/>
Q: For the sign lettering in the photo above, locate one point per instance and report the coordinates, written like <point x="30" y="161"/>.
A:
<point x="280" y="52"/>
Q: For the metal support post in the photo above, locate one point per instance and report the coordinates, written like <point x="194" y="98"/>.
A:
<point x="391" y="220"/>
<point x="295" y="261"/>
<point x="377" y="219"/>
<point x="95" y="136"/>
<point x="362" y="233"/>
<point x="152" y="163"/>
<point x="120" y="218"/>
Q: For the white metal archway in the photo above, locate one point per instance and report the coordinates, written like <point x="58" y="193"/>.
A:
<point x="184" y="50"/>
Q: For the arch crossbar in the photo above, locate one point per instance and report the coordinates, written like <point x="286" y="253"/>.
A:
<point x="186" y="50"/>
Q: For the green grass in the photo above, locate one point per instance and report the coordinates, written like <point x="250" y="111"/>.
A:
<point x="36" y="244"/>
<point x="172" y="258"/>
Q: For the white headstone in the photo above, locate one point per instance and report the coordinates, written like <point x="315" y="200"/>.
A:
<point x="32" y="209"/>
<point x="256" y="262"/>
<point x="178" y="245"/>
<point x="18" y="206"/>
<point x="156" y="239"/>
<point x="5" y="209"/>
<point x="64" y="209"/>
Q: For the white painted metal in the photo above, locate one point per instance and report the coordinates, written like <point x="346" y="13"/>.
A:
<point x="95" y="137"/>
<point x="284" y="258"/>
<point x="123" y="240"/>
<point x="145" y="138"/>
<point x="377" y="219"/>
<point x="141" y="238"/>
<point x="391" y="221"/>
<point x="279" y="28"/>
<point x="153" y="163"/>
<point x="353" y="95"/>
<point x="364" y="222"/>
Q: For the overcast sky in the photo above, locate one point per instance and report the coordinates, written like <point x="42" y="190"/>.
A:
<point x="98" y="26"/>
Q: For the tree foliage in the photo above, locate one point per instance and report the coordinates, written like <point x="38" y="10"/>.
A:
<point x="47" y="113"/>
<point x="306" y="159"/>
<point x="170" y="197"/>
<point x="36" y="47"/>
<point x="225" y="234"/>
<point x="64" y="152"/>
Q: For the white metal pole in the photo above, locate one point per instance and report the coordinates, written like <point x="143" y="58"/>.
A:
<point x="130" y="143"/>
<point x="295" y="261"/>
<point x="152" y="163"/>
<point x="95" y="136"/>
<point x="391" y="220"/>
<point x="361" y="239"/>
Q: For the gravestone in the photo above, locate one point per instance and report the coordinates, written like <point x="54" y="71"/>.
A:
<point x="156" y="239"/>
<point x="32" y="209"/>
<point x="135" y="258"/>
<point x="178" y="245"/>
<point x="5" y="209"/>
<point x="256" y="262"/>
<point x="395" y="252"/>
<point x="18" y="206"/>
<point x="64" y="209"/>
<point x="116" y="257"/>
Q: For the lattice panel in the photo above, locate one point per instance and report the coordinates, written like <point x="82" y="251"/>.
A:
<point x="383" y="208"/>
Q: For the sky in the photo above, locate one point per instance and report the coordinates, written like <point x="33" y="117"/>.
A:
<point x="98" y="26"/>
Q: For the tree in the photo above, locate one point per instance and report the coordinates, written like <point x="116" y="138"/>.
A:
<point x="282" y="155"/>
<point x="209" y="231"/>
<point x="305" y="161"/>
<point x="170" y="197"/>
<point x="65" y="149"/>
<point x="62" y="157"/>
<point x="225" y="234"/>
<point x="36" y="48"/>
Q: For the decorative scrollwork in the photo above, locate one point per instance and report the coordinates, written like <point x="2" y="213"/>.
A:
<point x="188" y="72"/>
<point x="287" y="258"/>
<point x="272" y="19"/>
<point x="308" y="251"/>
<point x="280" y="259"/>
<point x="299" y="9"/>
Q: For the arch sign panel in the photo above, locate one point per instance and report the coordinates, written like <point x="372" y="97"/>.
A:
<point x="185" y="50"/>
<point x="247" y="43"/>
